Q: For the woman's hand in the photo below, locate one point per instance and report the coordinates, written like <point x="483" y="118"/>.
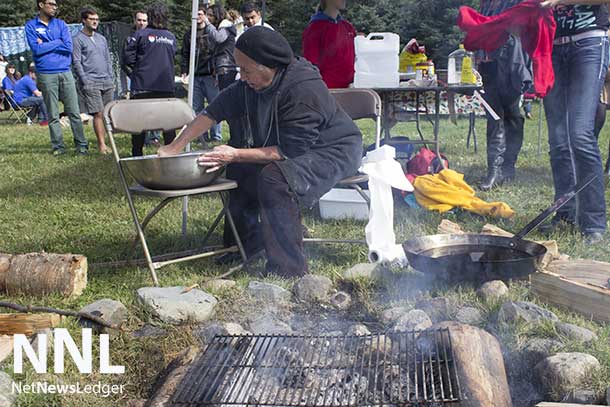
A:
<point x="218" y="157"/>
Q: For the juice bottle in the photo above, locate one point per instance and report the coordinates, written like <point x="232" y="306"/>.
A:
<point x="468" y="77"/>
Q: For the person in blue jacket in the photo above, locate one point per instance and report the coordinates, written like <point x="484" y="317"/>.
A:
<point x="149" y="55"/>
<point x="10" y="80"/>
<point x="26" y="94"/>
<point x="51" y="45"/>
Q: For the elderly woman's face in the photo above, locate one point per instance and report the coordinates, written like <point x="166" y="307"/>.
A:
<point x="257" y="76"/>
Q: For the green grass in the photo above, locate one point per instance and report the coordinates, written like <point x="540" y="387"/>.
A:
<point x="75" y="204"/>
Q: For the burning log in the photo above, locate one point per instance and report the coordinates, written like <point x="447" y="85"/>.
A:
<point x="40" y="274"/>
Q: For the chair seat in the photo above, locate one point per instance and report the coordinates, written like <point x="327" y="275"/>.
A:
<point x="356" y="179"/>
<point x="220" y="185"/>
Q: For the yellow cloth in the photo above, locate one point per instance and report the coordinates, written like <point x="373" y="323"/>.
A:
<point x="447" y="189"/>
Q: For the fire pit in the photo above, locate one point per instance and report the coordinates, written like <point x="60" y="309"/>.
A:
<point x="411" y="368"/>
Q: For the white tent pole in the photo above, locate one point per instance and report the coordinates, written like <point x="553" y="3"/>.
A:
<point x="193" y="54"/>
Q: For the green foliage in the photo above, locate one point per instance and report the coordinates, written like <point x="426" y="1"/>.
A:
<point x="433" y="23"/>
<point x="16" y="13"/>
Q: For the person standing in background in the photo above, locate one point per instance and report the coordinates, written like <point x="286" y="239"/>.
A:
<point x="507" y="74"/>
<point x="93" y="68"/>
<point x="237" y="20"/>
<point x="149" y="55"/>
<point x="140" y="22"/>
<point x="580" y="62"/>
<point x="205" y="86"/>
<point x="251" y="15"/>
<point x="221" y="34"/>
<point x="51" y="45"/>
<point x="328" y="43"/>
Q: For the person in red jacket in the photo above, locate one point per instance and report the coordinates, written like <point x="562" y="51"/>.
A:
<point x="328" y="43"/>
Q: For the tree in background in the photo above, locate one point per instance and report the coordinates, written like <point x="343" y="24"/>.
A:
<point x="15" y="13"/>
<point x="433" y="23"/>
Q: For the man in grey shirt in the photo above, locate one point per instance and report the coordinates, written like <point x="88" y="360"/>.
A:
<point x="93" y="68"/>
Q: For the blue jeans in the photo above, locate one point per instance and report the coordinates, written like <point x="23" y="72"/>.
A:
<point x="37" y="102"/>
<point x="206" y="88"/>
<point x="580" y="68"/>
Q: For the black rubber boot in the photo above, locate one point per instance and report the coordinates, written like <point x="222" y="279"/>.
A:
<point x="493" y="179"/>
<point x="513" y="128"/>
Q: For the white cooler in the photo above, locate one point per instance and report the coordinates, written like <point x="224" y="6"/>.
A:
<point x="343" y="204"/>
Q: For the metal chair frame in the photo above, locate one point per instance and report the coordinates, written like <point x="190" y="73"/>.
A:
<point x="358" y="104"/>
<point x="136" y="116"/>
<point x="17" y="113"/>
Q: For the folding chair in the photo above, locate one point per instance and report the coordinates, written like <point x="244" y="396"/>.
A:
<point x="137" y="116"/>
<point x="19" y="115"/>
<point x="358" y="104"/>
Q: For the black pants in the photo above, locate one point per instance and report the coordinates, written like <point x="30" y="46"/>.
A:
<point x="267" y="215"/>
<point x="505" y="136"/>
<point x="137" y="140"/>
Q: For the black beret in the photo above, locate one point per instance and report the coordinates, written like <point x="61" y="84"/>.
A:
<point x="265" y="46"/>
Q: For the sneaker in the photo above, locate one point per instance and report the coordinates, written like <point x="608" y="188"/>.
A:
<point x="43" y="123"/>
<point x="594" y="238"/>
<point x="529" y="116"/>
<point x="82" y="151"/>
<point x="58" y="152"/>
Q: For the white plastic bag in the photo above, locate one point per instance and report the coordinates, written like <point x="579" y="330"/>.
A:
<point x="384" y="174"/>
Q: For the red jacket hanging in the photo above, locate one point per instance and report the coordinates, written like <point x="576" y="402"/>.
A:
<point x="329" y="44"/>
<point x="533" y="24"/>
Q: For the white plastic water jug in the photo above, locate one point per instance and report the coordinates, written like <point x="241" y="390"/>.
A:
<point x="376" y="80"/>
<point x="377" y="60"/>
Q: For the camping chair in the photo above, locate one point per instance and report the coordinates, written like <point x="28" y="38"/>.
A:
<point x="358" y="104"/>
<point x="137" y="116"/>
<point x="18" y="114"/>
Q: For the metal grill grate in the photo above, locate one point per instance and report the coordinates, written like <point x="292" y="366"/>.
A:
<point x="412" y="368"/>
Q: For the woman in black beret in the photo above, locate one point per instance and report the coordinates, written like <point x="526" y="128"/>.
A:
<point x="290" y="143"/>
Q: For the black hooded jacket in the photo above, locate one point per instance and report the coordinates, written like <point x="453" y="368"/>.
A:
<point x="203" y="54"/>
<point x="222" y="42"/>
<point x="319" y="142"/>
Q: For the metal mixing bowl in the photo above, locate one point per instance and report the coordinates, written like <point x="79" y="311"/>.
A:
<point x="176" y="172"/>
